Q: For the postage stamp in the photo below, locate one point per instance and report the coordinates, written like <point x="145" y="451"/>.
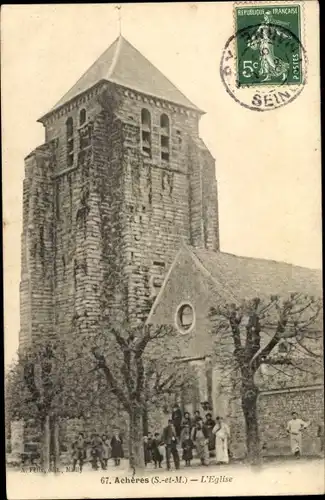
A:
<point x="264" y="63"/>
<point x="270" y="52"/>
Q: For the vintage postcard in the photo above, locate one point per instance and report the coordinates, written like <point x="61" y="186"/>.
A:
<point x="162" y="249"/>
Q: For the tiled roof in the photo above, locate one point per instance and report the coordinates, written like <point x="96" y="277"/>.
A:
<point x="123" y="64"/>
<point x="246" y="277"/>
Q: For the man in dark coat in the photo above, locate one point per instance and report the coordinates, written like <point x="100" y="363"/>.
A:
<point x="187" y="421"/>
<point x="96" y="450"/>
<point x="197" y="417"/>
<point x="170" y="441"/>
<point x="177" y="419"/>
<point x="155" y="451"/>
<point x="117" y="448"/>
<point x="147" y="442"/>
<point x="209" y="424"/>
<point x="78" y="451"/>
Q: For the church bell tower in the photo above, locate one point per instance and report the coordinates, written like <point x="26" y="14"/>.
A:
<point x="121" y="181"/>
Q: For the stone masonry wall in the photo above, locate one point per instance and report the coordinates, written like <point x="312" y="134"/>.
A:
<point x="119" y="216"/>
<point x="275" y="408"/>
<point x="36" y="287"/>
<point x="158" y="196"/>
<point x="103" y="222"/>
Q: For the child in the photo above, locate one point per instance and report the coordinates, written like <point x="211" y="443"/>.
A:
<point x="155" y="452"/>
<point x="187" y="445"/>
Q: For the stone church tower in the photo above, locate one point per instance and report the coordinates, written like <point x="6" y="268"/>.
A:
<point x="122" y="180"/>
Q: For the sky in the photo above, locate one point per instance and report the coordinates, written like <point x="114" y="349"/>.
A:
<point x="267" y="164"/>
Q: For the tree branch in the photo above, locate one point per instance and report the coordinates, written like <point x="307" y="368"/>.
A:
<point x="102" y="365"/>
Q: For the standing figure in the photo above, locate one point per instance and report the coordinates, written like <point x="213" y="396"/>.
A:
<point x="320" y="435"/>
<point x="197" y="417"/>
<point x="187" y="420"/>
<point x="295" y="426"/>
<point x="117" y="448"/>
<point x="155" y="450"/>
<point x="170" y="442"/>
<point x="147" y="449"/>
<point x="78" y="451"/>
<point x="209" y="424"/>
<point x="187" y="445"/>
<point x="222" y="433"/>
<point x="200" y="439"/>
<point x="177" y="419"/>
<point x="96" y="451"/>
<point x="106" y="449"/>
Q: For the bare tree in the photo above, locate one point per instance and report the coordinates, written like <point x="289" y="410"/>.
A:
<point x="248" y="336"/>
<point x="140" y="366"/>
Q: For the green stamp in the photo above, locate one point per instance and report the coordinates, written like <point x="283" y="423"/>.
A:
<point x="268" y="45"/>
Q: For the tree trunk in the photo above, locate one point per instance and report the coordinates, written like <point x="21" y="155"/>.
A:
<point x="46" y="439"/>
<point x="249" y="406"/>
<point x="136" y="458"/>
<point x="145" y="420"/>
<point x="55" y="444"/>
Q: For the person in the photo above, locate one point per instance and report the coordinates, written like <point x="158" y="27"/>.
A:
<point x="197" y="416"/>
<point x="209" y="424"/>
<point x="177" y="419"/>
<point x="96" y="451"/>
<point x="295" y="426"/>
<point x="187" y="420"/>
<point x="155" y="450"/>
<point x="222" y="434"/>
<point x="170" y="442"/>
<point x="200" y="439"/>
<point x="106" y="449"/>
<point x="78" y="451"/>
<point x="187" y="445"/>
<point x="320" y="435"/>
<point x="117" y="448"/>
<point x="150" y="442"/>
<point x="147" y="449"/>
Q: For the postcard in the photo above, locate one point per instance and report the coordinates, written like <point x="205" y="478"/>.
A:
<point x="162" y="249"/>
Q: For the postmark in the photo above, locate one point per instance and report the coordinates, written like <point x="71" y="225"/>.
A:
<point x="264" y="64"/>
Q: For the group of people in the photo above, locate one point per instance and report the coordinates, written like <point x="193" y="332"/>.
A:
<point x="97" y="449"/>
<point x="186" y="433"/>
<point x="183" y="433"/>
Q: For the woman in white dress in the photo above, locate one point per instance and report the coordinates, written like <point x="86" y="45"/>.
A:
<point x="222" y="433"/>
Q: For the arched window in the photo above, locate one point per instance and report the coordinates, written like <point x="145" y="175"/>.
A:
<point x="82" y="116"/>
<point x="69" y="127"/>
<point x="146" y="132"/>
<point x="69" y="130"/>
<point x="164" y="137"/>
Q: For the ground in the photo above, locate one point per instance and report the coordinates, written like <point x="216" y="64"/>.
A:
<point x="277" y="477"/>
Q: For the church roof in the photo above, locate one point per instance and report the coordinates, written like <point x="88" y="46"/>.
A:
<point x="123" y="64"/>
<point x="248" y="277"/>
<point x="225" y="278"/>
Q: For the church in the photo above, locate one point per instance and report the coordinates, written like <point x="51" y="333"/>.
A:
<point x="120" y="212"/>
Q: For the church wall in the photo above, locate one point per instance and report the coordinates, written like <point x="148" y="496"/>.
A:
<point x="141" y="204"/>
<point x="186" y="284"/>
<point x="275" y="408"/>
<point x="36" y="287"/>
<point x="157" y="196"/>
<point x="55" y="126"/>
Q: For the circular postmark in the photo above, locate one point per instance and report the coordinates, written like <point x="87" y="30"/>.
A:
<point x="263" y="67"/>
